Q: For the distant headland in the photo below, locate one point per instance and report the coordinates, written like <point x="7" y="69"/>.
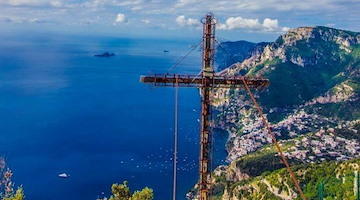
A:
<point x="106" y="54"/>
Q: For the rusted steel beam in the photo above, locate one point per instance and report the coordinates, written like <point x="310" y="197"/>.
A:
<point x="196" y="81"/>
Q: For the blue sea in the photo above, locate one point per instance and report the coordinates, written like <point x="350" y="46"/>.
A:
<point x="62" y="110"/>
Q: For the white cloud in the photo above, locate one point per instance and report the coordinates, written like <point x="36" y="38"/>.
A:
<point x="120" y="18"/>
<point x="254" y="17"/>
<point x="49" y="3"/>
<point x="242" y="23"/>
<point x="24" y="20"/>
<point x="127" y="3"/>
<point x="145" y="21"/>
<point x="183" y="21"/>
<point x="237" y="23"/>
<point x="224" y="7"/>
<point x="37" y="21"/>
<point x="111" y="3"/>
<point x="182" y="3"/>
<point x="221" y="26"/>
<point x="285" y="29"/>
<point x="271" y="23"/>
<point x="137" y="8"/>
<point x="193" y="22"/>
<point x="56" y="3"/>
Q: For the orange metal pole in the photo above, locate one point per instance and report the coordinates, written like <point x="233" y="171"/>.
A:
<point x="205" y="132"/>
<point x="274" y="140"/>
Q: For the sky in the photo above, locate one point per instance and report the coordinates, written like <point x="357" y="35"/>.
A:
<point x="253" y="20"/>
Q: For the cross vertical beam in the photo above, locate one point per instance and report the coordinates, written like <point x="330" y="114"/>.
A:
<point x="205" y="141"/>
<point x="206" y="89"/>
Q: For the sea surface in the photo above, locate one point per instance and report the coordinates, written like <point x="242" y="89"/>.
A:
<point x="62" y="110"/>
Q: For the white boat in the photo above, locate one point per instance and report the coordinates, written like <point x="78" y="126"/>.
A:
<point x="64" y="175"/>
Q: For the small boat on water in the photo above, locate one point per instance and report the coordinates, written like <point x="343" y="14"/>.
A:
<point x="64" y="175"/>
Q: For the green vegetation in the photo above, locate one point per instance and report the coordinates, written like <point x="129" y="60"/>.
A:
<point x="346" y="133"/>
<point x="144" y="194"/>
<point x="279" y="41"/>
<point x="336" y="110"/>
<point x="264" y="159"/>
<point x="19" y="195"/>
<point x="355" y="51"/>
<point x="287" y="88"/>
<point x="337" y="177"/>
<point x="7" y="191"/>
<point x="291" y="84"/>
<point x="122" y="192"/>
<point x="342" y="33"/>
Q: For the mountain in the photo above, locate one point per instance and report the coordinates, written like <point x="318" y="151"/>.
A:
<point x="312" y="104"/>
<point x="230" y="52"/>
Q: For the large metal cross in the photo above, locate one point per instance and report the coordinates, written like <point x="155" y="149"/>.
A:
<point x="206" y="81"/>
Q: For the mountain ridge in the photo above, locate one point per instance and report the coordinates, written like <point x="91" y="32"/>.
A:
<point x="313" y="99"/>
<point x="230" y="52"/>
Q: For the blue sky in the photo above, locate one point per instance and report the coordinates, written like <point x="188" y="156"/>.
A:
<point x="254" y="20"/>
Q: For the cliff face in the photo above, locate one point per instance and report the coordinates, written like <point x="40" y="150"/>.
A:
<point x="304" y="46"/>
<point x="312" y="104"/>
<point x="230" y="52"/>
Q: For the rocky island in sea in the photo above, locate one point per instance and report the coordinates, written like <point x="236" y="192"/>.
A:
<point x="106" y="54"/>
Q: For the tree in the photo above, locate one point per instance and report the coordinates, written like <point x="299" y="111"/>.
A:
<point x="144" y="194"/>
<point x="120" y="192"/>
<point x="19" y="195"/>
<point x="7" y="186"/>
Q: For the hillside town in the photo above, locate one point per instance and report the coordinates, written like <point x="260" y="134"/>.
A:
<point x="324" y="145"/>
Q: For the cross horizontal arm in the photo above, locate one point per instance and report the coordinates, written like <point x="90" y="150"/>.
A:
<point x="197" y="81"/>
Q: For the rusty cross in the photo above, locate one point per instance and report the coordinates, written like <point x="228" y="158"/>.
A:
<point x="206" y="81"/>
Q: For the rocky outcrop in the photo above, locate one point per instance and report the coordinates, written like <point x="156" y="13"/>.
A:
<point x="234" y="174"/>
<point x="288" y="194"/>
<point x="231" y="173"/>
<point x="279" y="49"/>
<point x="340" y="93"/>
